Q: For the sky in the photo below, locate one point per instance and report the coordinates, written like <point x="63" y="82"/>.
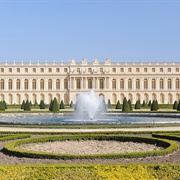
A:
<point x="59" y="30"/>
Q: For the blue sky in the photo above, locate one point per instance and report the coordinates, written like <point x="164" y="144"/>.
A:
<point x="61" y="30"/>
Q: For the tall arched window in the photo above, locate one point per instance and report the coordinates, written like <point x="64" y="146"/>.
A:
<point x="89" y="83"/>
<point x="57" y="83"/>
<point x="161" y="83"/>
<point x="177" y="84"/>
<point x="169" y="84"/>
<point x="121" y="83"/>
<point x="137" y="84"/>
<point x="129" y="83"/>
<point x="42" y="84"/>
<point x="34" y="84"/>
<point x="153" y="84"/>
<point x="2" y="84"/>
<point x="145" y="84"/>
<point x="114" y="84"/>
<point x="101" y="83"/>
<point x="49" y="83"/>
<point x="10" y="84"/>
<point x="65" y="84"/>
<point x="26" y="84"/>
<point x="78" y="84"/>
<point x="18" y="84"/>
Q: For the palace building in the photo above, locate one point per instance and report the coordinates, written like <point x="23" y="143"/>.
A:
<point x="135" y="81"/>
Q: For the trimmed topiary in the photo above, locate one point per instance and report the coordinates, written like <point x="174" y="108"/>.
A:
<point x="175" y="105"/>
<point x="30" y="103"/>
<point x="130" y="105"/>
<point x="144" y="103"/>
<point x="5" y="104"/>
<point x="61" y="105"/>
<point x="42" y="105"/>
<point x="109" y="103"/>
<point x="157" y="104"/>
<point x="2" y="108"/>
<point x="55" y="106"/>
<point x="118" y="105"/>
<point x="71" y="104"/>
<point x="178" y="108"/>
<point x="50" y="105"/>
<point x="35" y="103"/>
<point x="125" y="106"/>
<point x="154" y="106"/>
<point x="149" y="104"/>
<point x="27" y="106"/>
<point x="23" y="104"/>
<point x="137" y="105"/>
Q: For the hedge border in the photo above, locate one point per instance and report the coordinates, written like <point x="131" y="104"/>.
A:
<point x="10" y="148"/>
<point x="170" y="136"/>
<point x="7" y="137"/>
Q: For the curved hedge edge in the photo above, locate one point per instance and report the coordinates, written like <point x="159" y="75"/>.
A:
<point x="13" y="137"/>
<point x="10" y="148"/>
<point x="166" y="136"/>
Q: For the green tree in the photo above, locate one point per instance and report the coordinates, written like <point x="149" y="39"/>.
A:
<point x="71" y="104"/>
<point x="178" y="108"/>
<point x="157" y="104"/>
<point x="55" y="106"/>
<point x="149" y="104"/>
<point x="2" y="108"/>
<point x="61" y="105"/>
<point x="27" y="106"/>
<point x="23" y="104"/>
<point x="125" y="106"/>
<point x="144" y="103"/>
<point x="50" y="105"/>
<point x="118" y="105"/>
<point x="42" y="105"/>
<point x="109" y="103"/>
<point x="137" y="105"/>
<point x="175" y="105"/>
<point x="30" y="103"/>
<point x="5" y="104"/>
<point x="130" y="105"/>
<point x="154" y="106"/>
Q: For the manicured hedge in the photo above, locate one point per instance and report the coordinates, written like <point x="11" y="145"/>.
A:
<point x="169" y="146"/>
<point x="7" y="137"/>
<point x="171" y="136"/>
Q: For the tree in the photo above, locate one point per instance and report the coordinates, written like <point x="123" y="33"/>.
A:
<point x="5" y="104"/>
<point x="118" y="105"/>
<point x="30" y="103"/>
<point x="109" y="103"/>
<point x="149" y="104"/>
<point x="42" y="105"/>
<point x="23" y="104"/>
<point x="130" y="105"/>
<point x="61" y="105"/>
<point x="154" y="106"/>
<point x="178" y="108"/>
<point x="137" y="105"/>
<point x="71" y="104"/>
<point x="144" y="103"/>
<point x="157" y="104"/>
<point x="175" y="105"/>
<point x="50" y="105"/>
<point x="2" y="108"/>
<point x="35" y="103"/>
<point x="55" y="106"/>
<point x="27" y="106"/>
<point x="125" y="106"/>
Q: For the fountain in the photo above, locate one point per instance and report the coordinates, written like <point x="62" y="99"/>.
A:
<point x="90" y="103"/>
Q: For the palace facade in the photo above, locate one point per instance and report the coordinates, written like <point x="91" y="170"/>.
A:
<point x="135" y="81"/>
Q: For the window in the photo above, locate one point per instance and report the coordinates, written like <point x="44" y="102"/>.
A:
<point x="177" y="69"/>
<point x="34" y="84"/>
<point x="137" y="84"/>
<point x="121" y="83"/>
<point x="2" y="84"/>
<point x="10" y="70"/>
<point x="50" y="70"/>
<point x="89" y="83"/>
<point x="26" y="84"/>
<point x="101" y="84"/>
<point x="65" y="84"/>
<point x="122" y="69"/>
<point x="169" y="84"/>
<point x="26" y="70"/>
<point x="169" y="69"/>
<point x="57" y="70"/>
<point x="34" y="70"/>
<point x="161" y="86"/>
<point x="78" y="84"/>
<point x="129" y="83"/>
<point x="129" y="69"/>
<point x="42" y="84"/>
<point x="137" y="69"/>
<point x="153" y="84"/>
<point x="78" y="70"/>
<point x="114" y="83"/>
<point x="161" y="69"/>
<point x="18" y="70"/>
<point x="49" y="83"/>
<point x="42" y="70"/>
<point x="10" y="84"/>
<point x="153" y="69"/>
<point x="177" y="84"/>
<point x="57" y="84"/>
<point x="145" y="84"/>
<point x="114" y="70"/>
<point x="89" y="70"/>
<point x="2" y="70"/>
<point x="101" y="70"/>
<point x="145" y="69"/>
<point x="65" y="69"/>
<point x="18" y="85"/>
